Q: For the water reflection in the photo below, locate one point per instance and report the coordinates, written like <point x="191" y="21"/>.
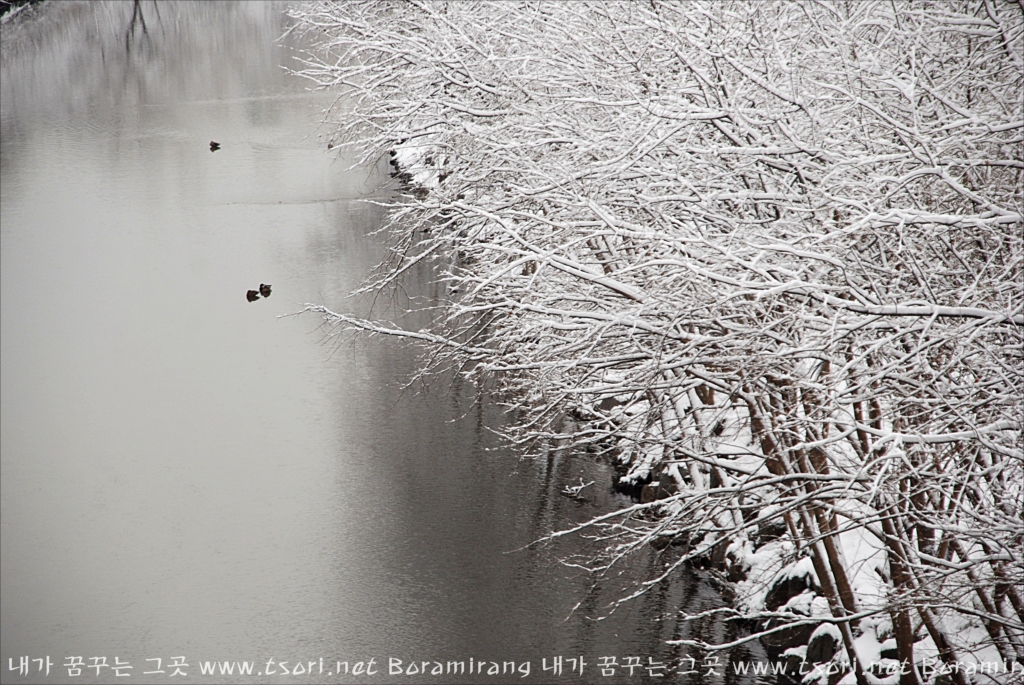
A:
<point x="185" y="473"/>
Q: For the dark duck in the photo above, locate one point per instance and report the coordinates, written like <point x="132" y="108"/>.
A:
<point x="252" y="296"/>
<point x="264" y="290"/>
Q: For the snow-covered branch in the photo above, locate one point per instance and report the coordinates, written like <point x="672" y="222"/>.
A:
<point x="768" y="257"/>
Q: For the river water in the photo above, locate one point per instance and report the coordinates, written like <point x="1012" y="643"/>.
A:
<point x="188" y="474"/>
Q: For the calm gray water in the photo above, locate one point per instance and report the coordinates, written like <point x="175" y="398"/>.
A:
<point x="189" y="474"/>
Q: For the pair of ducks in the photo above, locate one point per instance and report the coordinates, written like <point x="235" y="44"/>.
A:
<point x="254" y="295"/>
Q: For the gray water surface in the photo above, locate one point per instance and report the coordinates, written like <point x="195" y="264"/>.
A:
<point x="186" y="473"/>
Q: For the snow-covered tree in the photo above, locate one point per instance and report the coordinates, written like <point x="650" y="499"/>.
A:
<point x="765" y="255"/>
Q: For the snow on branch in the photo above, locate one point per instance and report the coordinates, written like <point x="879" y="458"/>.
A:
<point x="766" y="257"/>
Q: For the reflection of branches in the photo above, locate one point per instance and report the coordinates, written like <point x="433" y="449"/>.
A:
<point x="769" y="255"/>
<point x="137" y="18"/>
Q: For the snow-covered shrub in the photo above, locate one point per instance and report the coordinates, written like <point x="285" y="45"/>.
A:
<point x="770" y="252"/>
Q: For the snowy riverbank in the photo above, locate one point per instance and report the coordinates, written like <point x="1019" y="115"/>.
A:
<point x="767" y="258"/>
